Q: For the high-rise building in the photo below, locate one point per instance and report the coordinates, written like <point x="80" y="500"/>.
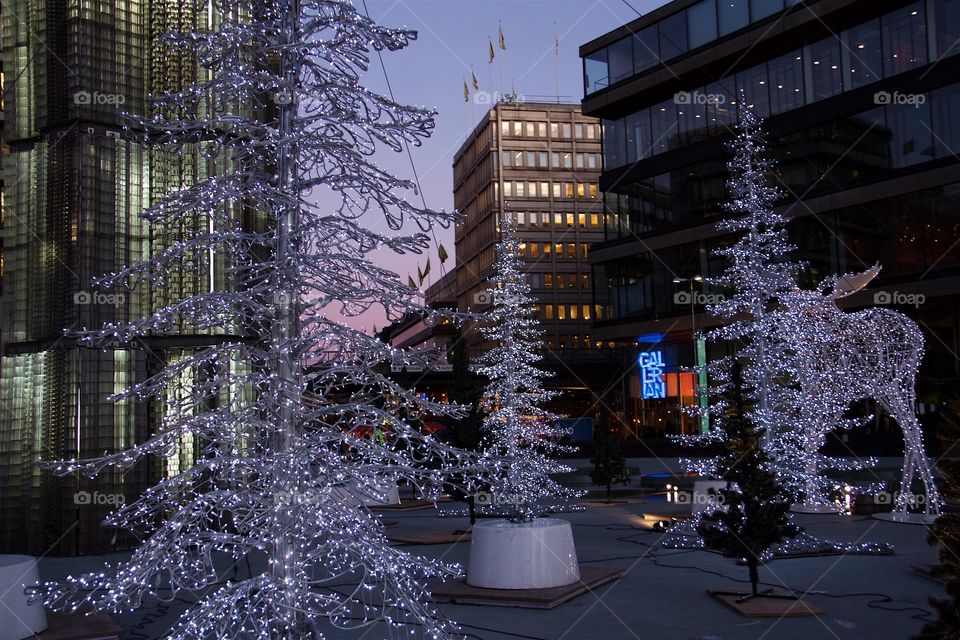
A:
<point x="540" y="163"/>
<point x="862" y="107"/>
<point x="76" y="185"/>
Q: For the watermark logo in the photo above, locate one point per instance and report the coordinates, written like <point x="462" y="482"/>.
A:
<point x="283" y="97"/>
<point x="696" y="97"/>
<point x="894" y="98"/>
<point x="85" y="498"/>
<point x="896" y="498"/>
<point x="283" y="297"/>
<point x="487" y="499"/>
<point x="309" y="496"/>
<point x="898" y="298"/>
<point x="98" y="297"/>
<point x="493" y="97"/>
<point x="685" y="298"/>
<point x="84" y="98"/>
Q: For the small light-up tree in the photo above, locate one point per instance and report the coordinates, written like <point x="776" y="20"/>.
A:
<point x="518" y="427"/>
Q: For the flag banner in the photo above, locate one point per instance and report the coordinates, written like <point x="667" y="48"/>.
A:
<point x="476" y="85"/>
<point x="490" y="43"/>
<point x="466" y="92"/>
<point x="442" y="252"/>
<point x="503" y="43"/>
<point x="426" y="270"/>
<point x="410" y="282"/>
<point x="420" y="274"/>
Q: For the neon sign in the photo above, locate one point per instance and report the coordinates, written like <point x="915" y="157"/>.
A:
<point x="651" y="375"/>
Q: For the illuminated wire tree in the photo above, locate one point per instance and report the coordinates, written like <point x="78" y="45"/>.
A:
<point x="282" y="110"/>
<point x="518" y="427"/>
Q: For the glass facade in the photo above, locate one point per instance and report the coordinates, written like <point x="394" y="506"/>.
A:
<point x="816" y="72"/>
<point x="672" y="37"/>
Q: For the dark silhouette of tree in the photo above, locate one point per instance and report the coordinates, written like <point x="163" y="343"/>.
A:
<point x="752" y="515"/>
<point x="609" y="465"/>
<point x="945" y="532"/>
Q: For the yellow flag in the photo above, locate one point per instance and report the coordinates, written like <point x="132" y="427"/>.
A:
<point x="476" y="85"/>
<point x="490" y="42"/>
<point x="466" y="92"/>
<point x="503" y="43"/>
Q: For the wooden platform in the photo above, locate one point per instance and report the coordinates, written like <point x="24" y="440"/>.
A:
<point x="460" y="592"/>
<point x="76" y="626"/>
<point x="428" y="537"/>
<point x="761" y="607"/>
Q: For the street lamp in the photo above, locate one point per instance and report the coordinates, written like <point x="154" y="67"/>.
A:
<point x="693" y="331"/>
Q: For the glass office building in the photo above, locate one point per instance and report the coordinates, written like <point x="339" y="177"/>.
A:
<point x="75" y="187"/>
<point x="862" y="107"/>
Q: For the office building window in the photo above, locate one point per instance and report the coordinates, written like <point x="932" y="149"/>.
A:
<point x="673" y="36"/>
<point x="585" y="310"/>
<point x="521" y="218"/>
<point x="556" y="192"/>
<point x="571" y="251"/>
<point x="542" y="159"/>
<point x="592" y="190"/>
<point x="584" y="249"/>
<point x="585" y="284"/>
<point x="561" y="312"/>
<point x="581" y="190"/>
<point x="573" y="312"/>
<point x="912" y="140"/>
<point x="564" y="129"/>
<point x="507" y="156"/>
<point x="578" y="131"/>
<point x="531" y="129"/>
<point x="544" y="189"/>
<point x="862" y="55"/>
<point x="531" y="159"/>
<point x="561" y="281"/>
<point x="732" y="15"/>
<point x="663" y="121"/>
<point x="518" y="190"/>
<point x="613" y="143"/>
<point x="554" y="130"/>
<point x="581" y="220"/>
<point x="567" y="159"/>
<point x="568" y="189"/>
<point x="522" y="249"/>
<point x="518" y="158"/>
<point x="646" y="49"/>
<point x="592" y="161"/>
<point x="546" y="249"/>
<point x="947" y="14"/>
<point x="571" y="281"/>
<point x="904" y="39"/>
<point x="541" y="129"/>
<point x="532" y="190"/>
<point x="508" y="189"/>
<point x="558" y="250"/>
<point x="595" y="220"/>
<point x="945" y="105"/>
<point x="580" y="161"/>
<point x="823" y="65"/>
<point x="620" y="60"/>
<point x="548" y="311"/>
<point x="786" y="82"/>
<point x="534" y="249"/>
<point x="517" y="128"/>
<point x="752" y="83"/>
<point x="760" y="9"/>
<point x="702" y="23"/>
<point x="557" y="220"/>
<point x="548" y="280"/>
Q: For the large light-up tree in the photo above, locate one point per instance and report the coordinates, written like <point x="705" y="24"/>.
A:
<point x="518" y="427"/>
<point x="283" y="113"/>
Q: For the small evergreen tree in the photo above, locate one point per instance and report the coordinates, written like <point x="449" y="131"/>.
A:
<point x="752" y="515"/>
<point x="609" y="465"/>
<point x="945" y="532"/>
<point x="517" y="426"/>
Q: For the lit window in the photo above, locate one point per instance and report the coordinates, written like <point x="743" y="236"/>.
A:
<point x="534" y="249"/>
<point x="569" y="220"/>
<point x="593" y="191"/>
<point x="522" y="247"/>
<point x="558" y="250"/>
<point x="546" y="249"/>
<point x="581" y="220"/>
<point x="568" y="188"/>
<point x="542" y="129"/>
<point x="561" y="312"/>
<point x="545" y="219"/>
<point x="558" y="220"/>
<point x="517" y="128"/>
<point x="584" y="248"/>
<point x="575" y="342"/>
<point x="532" y="189"/>
<point x="571" y="281"/>
<point x="531" y="131"/>
<point x="521" y="218"/>
<point x="556" y="191"/>
<point x="548" y="280"/>
<point x="573" y="312"/>
<point x="518" y="189"/>
<point x="508" y="189"/>
<point x="581" y="190"/>
<point x="594" y="219"/>
<point x="561" y="281"/>
<point x="571" y="251"/>
<point x="586" y="311"/>
<point x="544" y="189"/>
<point x="554" y="130"/>
<point x="548" y="311"/>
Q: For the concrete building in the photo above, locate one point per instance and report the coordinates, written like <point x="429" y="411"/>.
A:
<point x="862" y="107"/>
<point x="540" y="162"/>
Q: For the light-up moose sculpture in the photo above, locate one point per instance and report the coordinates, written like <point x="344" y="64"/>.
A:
<point x="837" y="358"/>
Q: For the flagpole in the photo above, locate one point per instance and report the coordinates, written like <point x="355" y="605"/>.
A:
<point x="502" y="48"/>
<point x="556" y="60"/>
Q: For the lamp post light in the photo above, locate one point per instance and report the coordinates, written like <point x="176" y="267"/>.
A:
<point x="693" y="334"/>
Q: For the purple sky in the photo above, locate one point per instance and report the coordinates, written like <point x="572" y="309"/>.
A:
<point x="452" y="38"/>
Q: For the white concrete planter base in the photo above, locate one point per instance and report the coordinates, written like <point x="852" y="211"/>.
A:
<point x="529" y="555"/>
<point x="18" y="619"/>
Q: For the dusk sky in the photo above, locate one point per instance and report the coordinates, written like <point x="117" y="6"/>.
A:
<point x="453" y="37"/>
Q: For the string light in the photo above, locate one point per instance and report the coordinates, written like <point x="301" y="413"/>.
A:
<point x="519" y="429"/>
